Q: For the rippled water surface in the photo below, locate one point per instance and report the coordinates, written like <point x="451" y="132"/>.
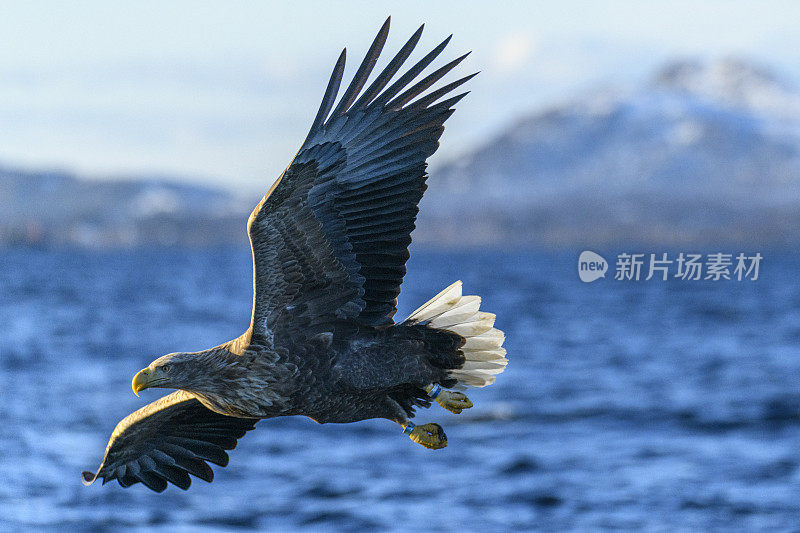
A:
<point x="651" y="405"/>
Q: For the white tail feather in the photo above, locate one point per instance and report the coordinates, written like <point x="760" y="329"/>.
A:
<point x="450" y="311"/>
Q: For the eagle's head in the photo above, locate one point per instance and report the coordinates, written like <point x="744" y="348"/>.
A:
<point x="171" y="371"/>
<point x="217" y="377"/>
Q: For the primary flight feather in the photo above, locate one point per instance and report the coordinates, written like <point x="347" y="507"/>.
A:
<point x="330" y="242"/>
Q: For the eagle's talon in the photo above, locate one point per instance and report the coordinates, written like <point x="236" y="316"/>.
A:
<point x="455" y="402"/>
<point x="429" y="435"/>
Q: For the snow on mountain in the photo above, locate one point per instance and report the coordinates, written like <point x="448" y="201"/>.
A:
<point x="703" y="152"/>
<point x="57" y="208"/>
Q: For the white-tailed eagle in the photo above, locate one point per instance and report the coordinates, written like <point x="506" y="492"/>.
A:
<point x="330" y="242"/>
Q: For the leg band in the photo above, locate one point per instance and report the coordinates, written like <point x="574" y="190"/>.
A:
<point x="409" y="428"/>
<point x="434" y="392"/>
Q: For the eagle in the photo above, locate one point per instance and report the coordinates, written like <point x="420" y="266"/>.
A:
<point x="330" y="241"/>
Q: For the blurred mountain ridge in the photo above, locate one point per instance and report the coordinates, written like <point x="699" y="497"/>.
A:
<point x="704" y="152"/>
<point x="58" y="208"/>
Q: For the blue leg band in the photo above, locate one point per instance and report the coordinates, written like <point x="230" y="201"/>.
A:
<point x="409" y="428"/>
<point x="435" y="391"/>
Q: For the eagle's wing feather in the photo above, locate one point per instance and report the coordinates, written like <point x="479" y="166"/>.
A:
<point x="167" y="440"/>
<point x="330" y="239"/>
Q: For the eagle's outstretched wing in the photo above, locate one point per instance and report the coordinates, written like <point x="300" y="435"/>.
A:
<point x="167" y="440"/>
<point x="330" y="239"/>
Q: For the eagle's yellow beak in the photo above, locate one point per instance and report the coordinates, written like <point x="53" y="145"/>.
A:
<point x="141" y="380"/>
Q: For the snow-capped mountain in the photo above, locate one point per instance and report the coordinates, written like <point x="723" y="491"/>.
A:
<point x="58" y="208"/>
<point x="701" y="153"/>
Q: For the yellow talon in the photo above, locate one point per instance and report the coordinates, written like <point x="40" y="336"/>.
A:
<point x="454" y="402"/>
<point x="429" y="435"/>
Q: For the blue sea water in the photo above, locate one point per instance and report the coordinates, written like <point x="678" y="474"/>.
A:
<point x="643" y="406"/>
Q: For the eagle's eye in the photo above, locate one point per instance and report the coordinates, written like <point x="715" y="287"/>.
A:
<point x="165" y="368"/>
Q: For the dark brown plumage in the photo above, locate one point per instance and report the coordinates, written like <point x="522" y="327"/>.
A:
<point x="330" y="242"/>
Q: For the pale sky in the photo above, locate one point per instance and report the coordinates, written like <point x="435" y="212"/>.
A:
<point x="223" y="92"/>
